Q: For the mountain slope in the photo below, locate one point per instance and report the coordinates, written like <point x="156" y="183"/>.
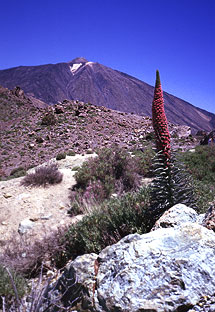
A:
<point x="28" y="138"/>
<point x="103" y="86"/>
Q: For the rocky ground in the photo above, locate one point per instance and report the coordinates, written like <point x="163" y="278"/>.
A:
<point x="178" y="254"/>
<point x="79" y="129"/>
<point x="26" y="140"/>
<point x="40" y="209"/>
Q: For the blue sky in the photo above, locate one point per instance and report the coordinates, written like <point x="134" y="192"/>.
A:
<point x="135" y="36"/>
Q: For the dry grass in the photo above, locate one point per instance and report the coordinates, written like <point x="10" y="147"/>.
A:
<point x="26" y="257"/>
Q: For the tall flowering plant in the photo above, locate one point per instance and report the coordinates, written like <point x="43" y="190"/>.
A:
<point x="159" y="120"/>
<point x="171" y="184"/>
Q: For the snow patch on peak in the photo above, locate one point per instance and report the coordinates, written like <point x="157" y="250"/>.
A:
<point x="75" y="67"/>
<point x="89" y="63"/>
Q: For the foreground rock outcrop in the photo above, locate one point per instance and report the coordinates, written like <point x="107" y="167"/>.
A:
<point x="168" y="269"/>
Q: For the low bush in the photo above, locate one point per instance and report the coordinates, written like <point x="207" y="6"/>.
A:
<point x="27" y="257"/>
<point x="114" y="219"/>
<point x="150" y="136"/>
<point x="43" y="176"/>
<point x="114" y="171"/>
<point x="6" y="289"/>
<point x="71" y="153"/>
<point x="201" y="163"/>
<point x="17" y="172"/>
<point x="61" y="156"/>
<point x="205" y="194"/>
<point x="144" y="160"/>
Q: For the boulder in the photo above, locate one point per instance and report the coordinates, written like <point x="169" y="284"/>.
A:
<point x="165" y="270"/>
<point x="18" y="92"/>
<point x="168" y="269"/>
<point x="75" y="287"/>
<point x="176" y="216"/>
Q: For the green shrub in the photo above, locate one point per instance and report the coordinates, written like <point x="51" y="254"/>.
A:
<point x="6" y="286"/>
<point x="113" y="171"/>
<point x="71" y="153"/>
<point x="201" y="163"/>
<point x="75" y="168"/>
<point x="43" y="175"/>
<point x="61" y="156"/>
<point x="106" y="225"/>
<point x="144" y="161"/>
<point x="205" y="194"/>
<point x="17" y="172"/>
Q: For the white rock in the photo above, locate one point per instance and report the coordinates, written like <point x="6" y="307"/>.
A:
<point x="169" y="269"/>
<point x="176" y="216"/>
<point x="165" y="270"/>
<point x="25" y="225"/>
<point x="46" y="217"/>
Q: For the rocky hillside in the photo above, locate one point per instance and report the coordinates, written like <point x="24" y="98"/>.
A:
<point x="100" y="85"/>
<point x="14" y="104"/>
<point x="31" y="135"/>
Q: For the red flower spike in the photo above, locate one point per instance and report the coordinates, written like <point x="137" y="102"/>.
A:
<point x="159" y="119"/>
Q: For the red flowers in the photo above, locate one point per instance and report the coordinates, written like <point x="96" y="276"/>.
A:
<point x="159" y="119"/>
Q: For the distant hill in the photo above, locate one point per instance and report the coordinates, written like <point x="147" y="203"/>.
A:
<point x="100" y="85"/>
<point x="30" y="135"/>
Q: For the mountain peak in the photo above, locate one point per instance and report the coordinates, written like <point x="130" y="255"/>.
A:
<point x="97" y="84"/>
<point x="78" y="60"/>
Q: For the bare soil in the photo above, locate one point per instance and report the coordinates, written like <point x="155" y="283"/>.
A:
<point x="46" y="207"/>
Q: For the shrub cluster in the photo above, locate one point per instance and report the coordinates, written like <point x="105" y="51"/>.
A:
<point x="43" y="176"/>
<point x="61" y="156"/>
<point x="106" y="225"/>
<point x="114" y="171"/>
<point x="201" y="163"/>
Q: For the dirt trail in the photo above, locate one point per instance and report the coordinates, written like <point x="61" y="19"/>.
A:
<point x="46" y="207"/>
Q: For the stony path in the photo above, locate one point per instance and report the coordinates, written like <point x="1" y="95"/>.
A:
<point x="46" y="207"/>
